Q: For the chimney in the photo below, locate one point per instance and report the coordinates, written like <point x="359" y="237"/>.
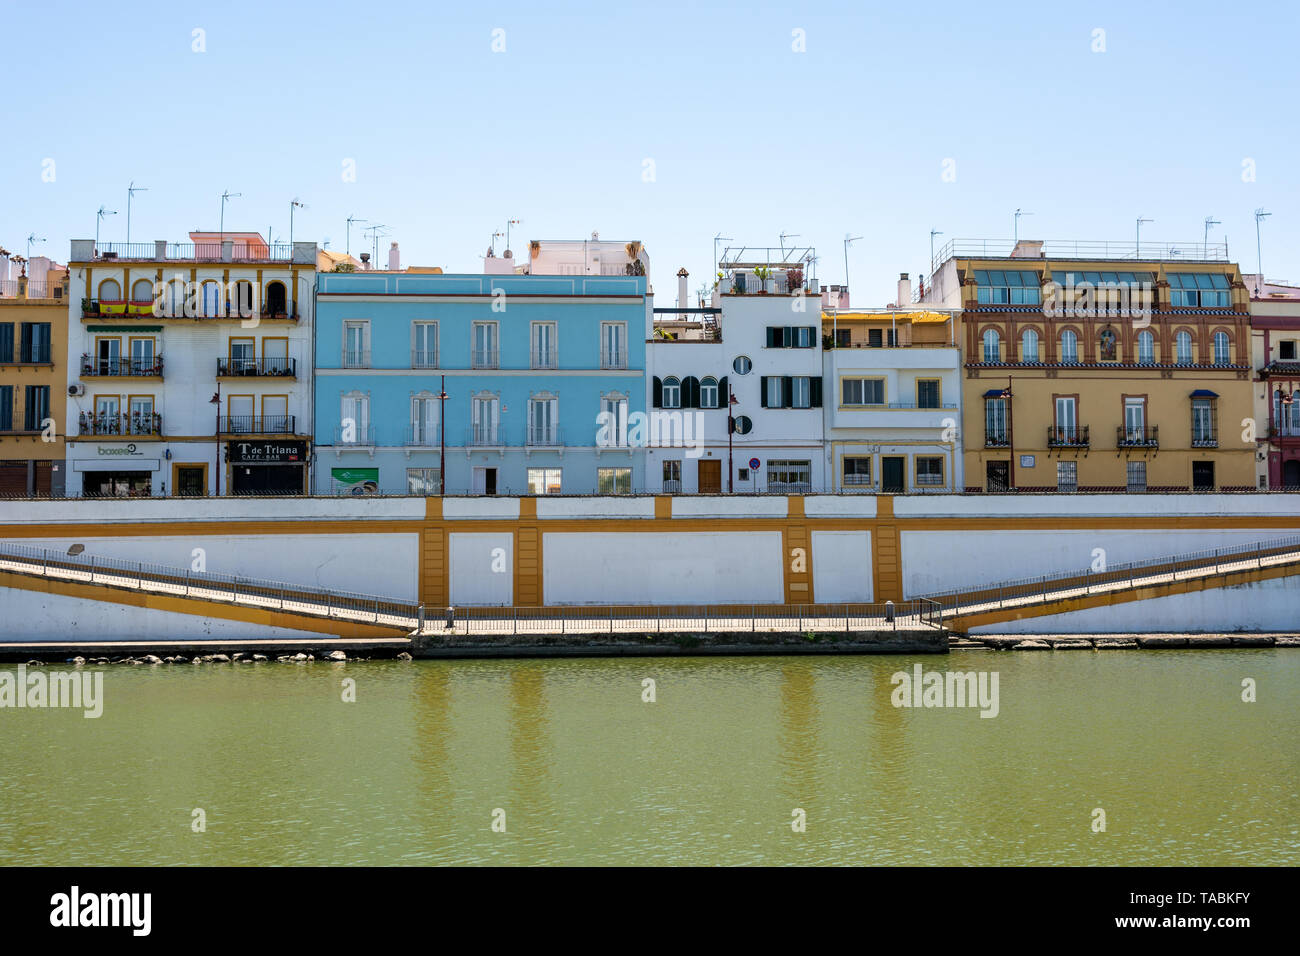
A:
<point x="904" y="290"/>
<point x="394" y="259"/>
<point x="365" y="261"/>
<point x="683" y="296"/>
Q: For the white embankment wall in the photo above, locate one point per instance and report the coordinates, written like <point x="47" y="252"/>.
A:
<point x="715" y="549"/>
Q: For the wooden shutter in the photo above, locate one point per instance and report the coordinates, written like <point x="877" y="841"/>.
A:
<point x="762" y="387"/>
<point x="6" y="341"/>
<point x="787" y="392"/>
<point x="722" y="393"/>
<point x="771" y="337"/>
<point x="690" y="392"/>
<point x="815" y="391"/>
<point x="657" y="393"/>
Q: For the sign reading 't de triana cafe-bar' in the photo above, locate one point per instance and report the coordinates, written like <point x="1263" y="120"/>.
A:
<point x="267" y="467"/>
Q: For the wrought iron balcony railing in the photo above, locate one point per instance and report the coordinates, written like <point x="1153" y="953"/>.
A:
<point x="255" y="425"/>
<point x="1067" y="436"/>
<point x="479" y="436"/>
<point x="120" y="423"/>
<point x="92" y="367"/>
<point x="260" y="368"/>
<point x="1131" y="436"/>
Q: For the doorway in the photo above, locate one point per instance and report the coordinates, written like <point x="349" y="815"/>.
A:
<point x="189" y="480"/>
<point x="485" y="481"/>
<point x="1202" y="476"/>
<point x="708" y="476"/>
<point x="892" y="469"/>
<point x="1291" y="474"/>
<point x="997" y="475"/>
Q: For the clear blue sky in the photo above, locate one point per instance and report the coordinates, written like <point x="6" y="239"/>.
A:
<point x="748" y="137"/>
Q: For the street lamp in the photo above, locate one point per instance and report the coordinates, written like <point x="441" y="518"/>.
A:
<point x="1011" y="439"/>
<point x="442" y="438"/>
<point x="731" y="430"/>
<point x="216" y="400"/>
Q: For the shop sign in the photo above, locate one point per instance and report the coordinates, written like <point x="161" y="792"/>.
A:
<point x="266" y="452"/>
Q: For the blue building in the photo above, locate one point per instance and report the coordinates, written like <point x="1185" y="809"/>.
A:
<point x="528" y="363"/>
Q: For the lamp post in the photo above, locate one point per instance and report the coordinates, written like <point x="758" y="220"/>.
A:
<point x="216" y="400"/>
<point x="1011" y="439"/>
<point x="442" y="438"/>
<point x="731" y="430"/>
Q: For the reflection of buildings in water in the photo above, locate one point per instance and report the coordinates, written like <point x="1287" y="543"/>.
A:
<point x="530" y="749"/>
<point x="431" y="742"/>
<point x="800" y="739"/>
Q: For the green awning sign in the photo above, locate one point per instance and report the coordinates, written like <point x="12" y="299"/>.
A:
<point x="356" y="481"/>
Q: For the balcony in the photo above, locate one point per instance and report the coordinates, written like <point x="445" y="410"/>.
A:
<point x="485" y="358"/>
<point x="1068" y="436"/>
<point x="544" y="358"/>
<point x="121" y="424"/>
<point x="29" y="353"/>
<point x="228" y="251"/>
<point x="996" y="439"/>
<point x="356" y="358"/>
<point x="483" y="436"/>
<point x="424" y="358"/>
<point x="422" y="435"/>
<point x="544" y="437"/>
<point x="1131" y="436"/>
<point x="255" y="425"/>
<point x="257" y="368"/>
<point x="355" y="436"/>
<point x="672" y="486"/>
<point x="1203" y="437"/>
<point x="1283" y="431"/>
<point x="893" y="415"/>
<point x="92" y="367"/>
<point x="613" y="359"/>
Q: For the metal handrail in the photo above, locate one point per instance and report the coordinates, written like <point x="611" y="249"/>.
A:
<point x="1044" y="586"/>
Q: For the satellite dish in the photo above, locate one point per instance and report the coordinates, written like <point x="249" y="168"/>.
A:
<point x="76" y="549"/>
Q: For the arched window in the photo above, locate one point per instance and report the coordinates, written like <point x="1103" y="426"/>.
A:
<point x="141" y="292"/>
<point x="110" y="291"/>
<point x="1069" y="347"/>
<point x="1146" y="348"/>
<point x="708" y="392"/>
<point x="1029" y="346"/>
<point x="243" y="300"/>
<point x="1221" y="356"/>
<point x="672" y="396"/>
<point x="276" y="299"/>
<point x="211" y="301"/>
<point x="992" y="353"/>
<point x="1183" y="348"/>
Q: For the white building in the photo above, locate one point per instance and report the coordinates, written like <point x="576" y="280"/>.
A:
<point x="893" y="410"/>
<point x="763" y="348"/>
<point x="190" y="367"/>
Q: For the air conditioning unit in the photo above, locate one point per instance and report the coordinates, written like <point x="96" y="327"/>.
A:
<point x="77" y="390"/>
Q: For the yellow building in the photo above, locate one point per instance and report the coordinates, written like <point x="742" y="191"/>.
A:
<point x="33" y="384"/>
<point x="1096" y="370"/>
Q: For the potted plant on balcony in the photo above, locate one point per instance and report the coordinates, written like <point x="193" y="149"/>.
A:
<point x="794" y="280"/>
<point x="766" y="282"/>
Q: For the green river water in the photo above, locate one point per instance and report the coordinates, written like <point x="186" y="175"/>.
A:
<point x="286" y="772"/>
